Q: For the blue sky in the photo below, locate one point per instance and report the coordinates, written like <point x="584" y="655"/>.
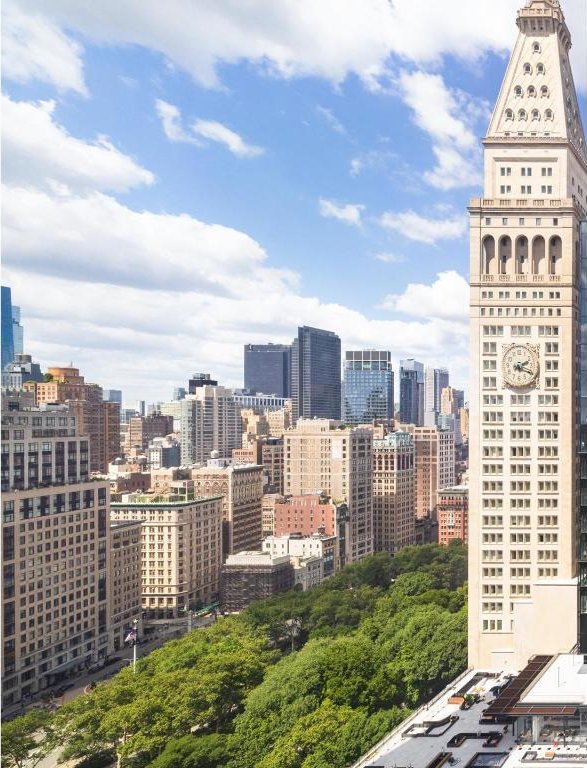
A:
<point x="182" y="178"/>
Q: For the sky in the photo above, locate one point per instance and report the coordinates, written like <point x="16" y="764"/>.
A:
<point x="182" y="178"/>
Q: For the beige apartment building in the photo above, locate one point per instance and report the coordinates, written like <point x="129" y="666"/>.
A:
<point x="125" y="579"/>
<point x="279" y="420"/>
<point x="435" y="465"/>
<point x="241" y="488"/>
<point x="394" y="492"/>
<point x="525" y="280"/>
<point x="56" y="549"/>
<point x="181" y="550"/>
<point x="97" y="418"/>
<point x="321" y="455"/>
<point x="142" y="429"/>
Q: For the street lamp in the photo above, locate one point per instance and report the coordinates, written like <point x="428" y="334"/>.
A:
<point x="135" y="623"/>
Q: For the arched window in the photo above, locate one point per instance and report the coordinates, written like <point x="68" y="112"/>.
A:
<point x="548" y="115"/>
<point x="544" y="91"/>
<point x="509" y="114"/>
<point x="555" y="252"/>
<point x="536" y="47"/>
<point x="488" y="266"/>
<point x="535" y="114"/>
<point x="540" y="68"/>
<point x="538" y="253"/>
<point x="518" y="91"/>
<point x="527" y="69"/>
<point x="522" y="115"/>
<point x="505" y="252"/>
<point x="531" y="91"/>
<point x="522" y="255"/>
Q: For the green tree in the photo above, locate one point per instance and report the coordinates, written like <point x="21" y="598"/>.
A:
<point x="26" y="740"/>
<point x="209" y="751"/>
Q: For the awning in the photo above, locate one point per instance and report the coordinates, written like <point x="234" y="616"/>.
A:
<point x="503" y="705"/>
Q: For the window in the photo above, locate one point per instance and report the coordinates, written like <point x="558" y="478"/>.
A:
<point x="548" y="114"/>
<point x="506" y="171"/>
<point x="522" y="115"/>
<point x="535" y="114"/>
<point x="509" y="114"/>
<point x="531" y="91"/>
<point x="528" y="69"/>
<point x="547" y="171"/>
<point x="505" y="189"/>
<point x="544" y="91"/>
<point x="546" y="189"/>
<point x="526" y="189"/>
<point x="518" y="91"/>
<point x="526" y="171"/>
<point x="536" y="47"/>
<point x="540" y="69"/>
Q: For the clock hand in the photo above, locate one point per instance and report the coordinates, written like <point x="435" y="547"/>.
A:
<point x="526" y="370"/>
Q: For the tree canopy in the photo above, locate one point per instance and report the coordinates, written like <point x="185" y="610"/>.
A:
<point x="375" y="640"/>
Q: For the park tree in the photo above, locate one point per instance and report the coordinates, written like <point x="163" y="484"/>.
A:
<point x="26" y="740"/>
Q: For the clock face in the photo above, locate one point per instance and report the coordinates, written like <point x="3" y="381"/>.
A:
<point x="520" y="365"/>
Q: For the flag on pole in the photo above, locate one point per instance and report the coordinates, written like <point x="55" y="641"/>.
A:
<point x="131" y="637"/>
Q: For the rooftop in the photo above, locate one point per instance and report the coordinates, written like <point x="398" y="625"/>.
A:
<point x="430" y="732"/>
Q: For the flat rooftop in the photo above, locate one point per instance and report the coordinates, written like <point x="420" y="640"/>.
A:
<point x="564" y="681"/>
<point x="414" y="745"/>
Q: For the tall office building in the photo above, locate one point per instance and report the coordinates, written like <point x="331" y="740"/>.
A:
<point x="411" y="392"/>
<point x="7" y="329"/>
<point x="268" y="369"/>
<point x="435" y="380"/>
<point x="17" y="331"/>
<point x="113" y="396"/>
<point x="394" y="492"/>
<point x="55" y="558"/>
<point x="208" y="420"/>
<point x="181" y="550"/>
<point x="525" y="328"/>
<point x="241" y="488"/>
<point x="315" y="374"/>
<point x="368" y="387"/>
<point x="98" y="419"/>
<point x="435" y="465"/>
<point x="21" y="370"/>
<point x="320" y="456"/>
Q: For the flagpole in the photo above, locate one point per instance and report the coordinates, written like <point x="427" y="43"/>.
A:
<point x="134" y="647"/>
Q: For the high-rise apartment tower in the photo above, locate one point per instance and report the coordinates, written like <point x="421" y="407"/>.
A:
<point x="315" y="374"/>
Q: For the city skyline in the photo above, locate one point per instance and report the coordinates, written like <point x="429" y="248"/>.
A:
<point x="167" y="273"/>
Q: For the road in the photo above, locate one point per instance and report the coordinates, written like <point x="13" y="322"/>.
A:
<point x="51" y="761"/>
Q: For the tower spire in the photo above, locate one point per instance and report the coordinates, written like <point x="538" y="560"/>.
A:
<point x="538" y="101"/>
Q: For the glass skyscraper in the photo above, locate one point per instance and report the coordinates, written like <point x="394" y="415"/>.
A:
<point x="268" y="369"/>
<point x="411" y="393"/>
<point x="7" y="327"/>
<point x="315" y="374"/>
<point x="368" y="387"/>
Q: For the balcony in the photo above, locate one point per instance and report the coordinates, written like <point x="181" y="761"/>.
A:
<point x="518" y="278"/>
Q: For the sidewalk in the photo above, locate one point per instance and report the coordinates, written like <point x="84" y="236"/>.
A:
<point x="81" y="681"/>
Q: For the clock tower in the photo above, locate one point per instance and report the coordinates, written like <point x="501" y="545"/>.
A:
<point x="525" y="333"/>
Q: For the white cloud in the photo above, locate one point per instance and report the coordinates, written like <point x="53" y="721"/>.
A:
<point x="34" y="48"/>
<point x="214" y="131"/>
<point x="447" y="299"/>
<point x="95" y="238"/>
<point x="171" y="121"/>
<point x="332" y="120"/>
<point x="293" y="38"/>
<point x="202" y="129"/>
<point x="135" y="295"/>
<point x="451" y="118"/>
<point x="349" y="213"/>
<point x="390" y="258"/>
<point x="424" y="230"/>
<point x="37" y="149"/>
